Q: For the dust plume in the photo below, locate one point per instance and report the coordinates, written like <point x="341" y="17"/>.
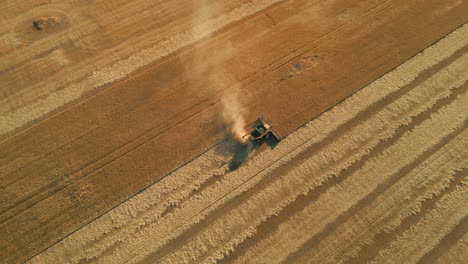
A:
<point x="232" y="117"/>
<point x="219" y="79"/>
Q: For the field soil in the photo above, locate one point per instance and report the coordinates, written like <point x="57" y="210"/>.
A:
<point x="113" y="144"/>
<point x="381" y="177"/>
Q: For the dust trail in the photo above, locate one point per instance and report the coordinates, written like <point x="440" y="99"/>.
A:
<point x="218" y="77"/>
<point x="232" y="117"/>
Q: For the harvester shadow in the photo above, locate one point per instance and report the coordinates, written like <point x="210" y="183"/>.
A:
<point x="271" y="142"/>
<point x="241" y="153"/>
<point x="237" y="152"/>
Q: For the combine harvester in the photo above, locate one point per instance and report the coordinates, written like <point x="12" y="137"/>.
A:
<point x="262" y="130"/>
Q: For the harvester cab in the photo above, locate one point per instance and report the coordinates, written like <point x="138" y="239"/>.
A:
<point x="262" y="130"/>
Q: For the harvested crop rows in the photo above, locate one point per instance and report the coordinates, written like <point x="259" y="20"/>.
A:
<point x="381" y="177"/>
<point x="113" y="96"/>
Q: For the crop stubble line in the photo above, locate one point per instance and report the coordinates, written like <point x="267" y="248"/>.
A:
<point x="168" y="206"/>
<point x="456" y="252"/>
<point x="289" y="60"/>
<point x="444" y="246"/>
<point x="269" y="175"/>
<point x="393" y="187"/>
<point x="419" y="119"/>
<point x="289" y="259"/>
<point x="442" y="142"/>
<point x="340" y="177"/>
<point x="438" y="183"/>
<point x="46" y="189"/>
<point x="429" y="231"/>
<point x="316" y="259"/>
<point x="397" y="133"/>
<point x="404" y="219"/>
<point x="80" y="170"/>
<point x="130" y="143"/>
<point x="406" y="223"/>
<point x="249" y="190"/>
<point x="310" y="153"/>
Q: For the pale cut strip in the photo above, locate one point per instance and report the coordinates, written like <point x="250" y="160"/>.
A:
<point x="283" y="191"/>
<point x="197" y="201"/>
<point x="426" y="234"/>
<point x="307" y="220"/>
<point x="386" y="212"/>
<point x="457" y="253"/>
<point x="168" y="233"/>
<point x="424" y="96"/>
<point x="122" y="215"/>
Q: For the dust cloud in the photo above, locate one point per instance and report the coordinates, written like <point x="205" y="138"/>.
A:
<point x="232" y="117"/>
<point x="219" y="79"/>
